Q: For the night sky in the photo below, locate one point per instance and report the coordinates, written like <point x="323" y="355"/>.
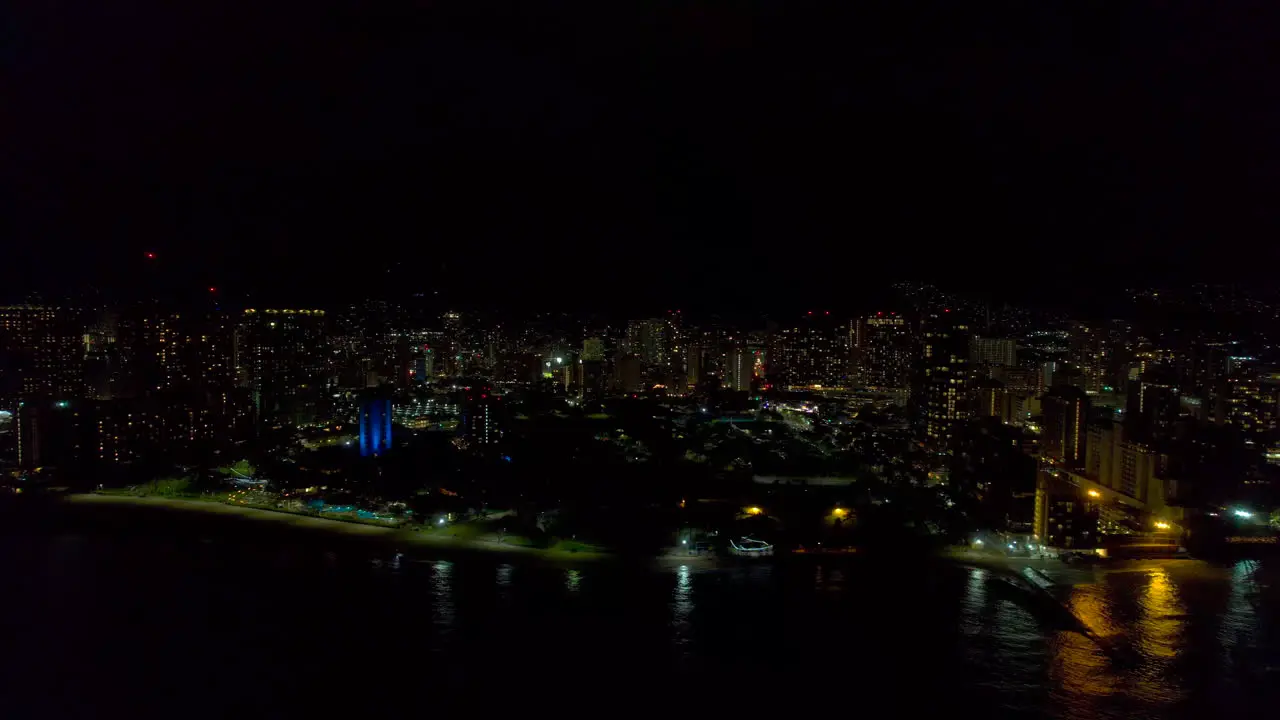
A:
<point x="623" y="155"/>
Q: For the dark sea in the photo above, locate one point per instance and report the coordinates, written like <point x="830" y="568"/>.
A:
<point x="149" y="625"/>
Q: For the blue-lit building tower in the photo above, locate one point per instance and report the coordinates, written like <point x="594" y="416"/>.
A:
<point x="375" y="426"/>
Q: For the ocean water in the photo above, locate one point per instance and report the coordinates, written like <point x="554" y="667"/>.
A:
<point x="139" y="624"/>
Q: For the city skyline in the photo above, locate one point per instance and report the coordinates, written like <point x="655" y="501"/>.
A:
<point x="387" y="352"/>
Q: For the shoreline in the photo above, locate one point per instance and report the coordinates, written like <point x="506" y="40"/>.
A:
<point x="408" y="542"/>
<point x="415" y="545"/>
<point x="126" y="513"/>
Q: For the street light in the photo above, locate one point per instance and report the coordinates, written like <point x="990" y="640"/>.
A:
<point x="1243" y="514"/>
<point x="1161" y="525"/>
<point x="1095" y="494"/>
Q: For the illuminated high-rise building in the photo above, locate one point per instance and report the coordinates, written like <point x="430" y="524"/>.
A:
<point x="591" y="379"/>
<point x="993" y="351"/>
<point x="693" y="364"/>
<point x="1066" y="414"/>
<point x="375" y="426"/>
<point x="1250" y="401"/>
<point x="740" y="371"/>
<point x="282" y="355"/>
<point x="47" y="432"/>
<point x="42" y="350"/>
<point x="1091" y="354"/>
<point x="481" y="423"/>
<point x="990" y="399"/>
<point x="650" y="341"/>
<point x="882" y="346"/>
<point x="944" y="380"/>
<point x="1153" y="403"/>
<point x="812" y="352"/>
<point x="1117" y="461"/>
<point x="424" y="365"/>
<point x="592" y="349"/>
<point x="678" y="338"/>
<point x="171" y="425"/>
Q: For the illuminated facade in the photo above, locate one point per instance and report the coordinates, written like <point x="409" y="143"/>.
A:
<point x="944" y="376"/>
<point x="423" y="414"/>
<point x="592" y="349"/>
<point x="282" y="358"/>
<point x="42" y="352"/>
<point x="814" y="351"/>
<point x="991" y="400"/>
<point x="1066" y="412"/>
<point x="650" y="340"/>
<point x="48" y="433"/>
<point x="741" y="370"/>
<point x="165" y="426"/>
<point x="693" y="364"/>
<point x="882" y="344"/>
<point x="1091" y="353"/>
<point x="481" y="422"/>
<point x="1153" y="404"/>
<point x="375" y="426"/>
<point x="993" y="351"/>
<point x="1250" y="401"/>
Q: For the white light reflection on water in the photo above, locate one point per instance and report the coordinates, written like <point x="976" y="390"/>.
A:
<point x="444" y="613"/>
<point x="502" y="579"/>
<point x="682" y="616"/>
<point x="975" y="599"/>
<point x="1000" y="637"/>
<point x="572" y="580"/>
<point x="682" y="601"/>
<point x="1237" y="631"/>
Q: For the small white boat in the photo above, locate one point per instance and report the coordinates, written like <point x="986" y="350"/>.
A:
<point x="750" y="547"/>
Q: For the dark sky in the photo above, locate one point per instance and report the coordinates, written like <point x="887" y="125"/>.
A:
<point x="618" y="154"/>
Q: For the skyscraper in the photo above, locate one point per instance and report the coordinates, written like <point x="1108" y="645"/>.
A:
<point x="375" y="426"/>
<point x="424" y="366"/>
<point x="944" y="375"/>
<point x="592" y="349"/>
<point x="740" y="370"/>
<point x="693" y="364"/>
<point x="48" y="432"/>
<point x="814" y="351"/>
<point x="42" y="351"/>
<point x="993" y="351"/>
<point x="883" y="350"/>
<point x="1091" y="354"/>
<point x="1066" y="412"/>
<point x="650" y="340"/>
<point x="283" y="360"/>
<point x="481" y="423"/>
<point x="990" y="399"/>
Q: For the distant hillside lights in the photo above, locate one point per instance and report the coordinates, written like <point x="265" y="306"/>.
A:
<point x="272" y="311"/>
